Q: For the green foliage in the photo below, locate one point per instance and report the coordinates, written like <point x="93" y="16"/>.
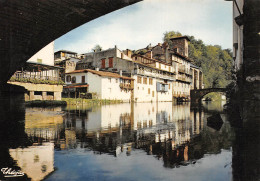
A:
<point x="168" y="35"/>
<point x="97" y="48"/>
<point x="216" y="63"/>
<point x="45" y="103"/>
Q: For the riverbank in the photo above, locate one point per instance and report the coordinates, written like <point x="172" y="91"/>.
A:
<point x="45" y="103"/>
<point x="79" y="101"/>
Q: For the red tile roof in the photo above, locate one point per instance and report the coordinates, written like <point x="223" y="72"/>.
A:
<point x="101" y="73"/>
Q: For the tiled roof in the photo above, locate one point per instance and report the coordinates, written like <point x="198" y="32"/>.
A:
<point x="101" y="73"/>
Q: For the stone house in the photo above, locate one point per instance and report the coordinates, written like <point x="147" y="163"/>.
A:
<point x="112" y="60"/>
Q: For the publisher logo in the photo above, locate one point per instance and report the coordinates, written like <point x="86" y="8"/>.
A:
<point x="10" y="172"/>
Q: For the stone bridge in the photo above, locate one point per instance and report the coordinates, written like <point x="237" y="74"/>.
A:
<point x="197" y="94"/>
<point x="26" y="26"/>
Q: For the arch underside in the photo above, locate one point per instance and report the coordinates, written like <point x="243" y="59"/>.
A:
<point x="197" y="95"/>
<point x="201" y="96"/>
<point x="27" y="26"/>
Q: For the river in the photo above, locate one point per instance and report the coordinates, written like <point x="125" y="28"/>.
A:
<point x="141" y="141"/>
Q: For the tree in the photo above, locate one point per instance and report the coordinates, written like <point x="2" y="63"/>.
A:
<point x="171" y="34"/>
<point x="97" y="48"/>
<point x="216" y="63"/>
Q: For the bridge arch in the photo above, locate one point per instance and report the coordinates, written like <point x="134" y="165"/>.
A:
<point x="29" y="25"/>
<point x="197" y="94"/>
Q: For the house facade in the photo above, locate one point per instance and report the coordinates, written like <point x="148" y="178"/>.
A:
<point x="153" y="79"/>
<point x="103" y="85"/>
<point x="64" y="54"/>
<point x="160" y="73"/>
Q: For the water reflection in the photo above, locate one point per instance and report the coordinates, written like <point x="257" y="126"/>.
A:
<point x="174" y="135"/>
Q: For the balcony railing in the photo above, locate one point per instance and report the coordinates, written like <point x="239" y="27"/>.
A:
<point x="153" y="74"/>
<point x="126" y="86"/>
<point x="184" y="78"/>
<point x="181" y="69"/>
<point x="28" y="77"/>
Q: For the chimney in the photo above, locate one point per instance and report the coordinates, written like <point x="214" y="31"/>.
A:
<point x="121" y="73"/>
<point x="149" y="54"/>
<point x="97" y="69"/>
<point x="182" y="45"/>
<point x="128" y="53"/>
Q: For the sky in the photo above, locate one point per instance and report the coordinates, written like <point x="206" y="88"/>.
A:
<point x="138" y="25"/>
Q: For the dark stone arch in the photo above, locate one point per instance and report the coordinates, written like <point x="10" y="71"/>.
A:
<point x="198" y="94"/>
<point x="27" y="26"/>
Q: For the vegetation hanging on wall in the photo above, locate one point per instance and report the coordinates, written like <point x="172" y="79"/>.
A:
<point x="36" y="81"/>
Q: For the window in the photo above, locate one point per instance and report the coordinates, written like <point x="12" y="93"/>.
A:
<point x="159" y="66"/>
<point x="169" y="86"/>
<point x="153" y="95"/>
<point x="116" y="80"/>
<point x="145" y="80"/>
<point x="169" y="69"/>
<point x="109" y="80"/>
<point x="83" y="79"/>
<point x="50" y="93"/>
<point x="37" y="93"/>
<point x="39" y="60"/>
<point x="110" y="62"/>
<point x="103" y="63"/>
<point x="139" y="80"/>
<point x="148" y="90"/>
<point x="150" y="81"/>
<point x="73" y="79"/>
<point x="68" y="78"/>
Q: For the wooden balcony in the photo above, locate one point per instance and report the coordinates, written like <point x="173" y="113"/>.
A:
<point x="126" y="86"/>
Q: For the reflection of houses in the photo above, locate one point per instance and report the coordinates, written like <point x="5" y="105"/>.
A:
<point x="40" y="77"/>
<point x="102" y="85"/>
<point x="43" y="123"/>
<point x="35" y="161"/>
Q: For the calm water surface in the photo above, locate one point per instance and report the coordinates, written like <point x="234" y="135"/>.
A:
<point x="142" y="141"/>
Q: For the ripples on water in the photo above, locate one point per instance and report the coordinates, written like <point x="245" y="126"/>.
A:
<point x="142" y="141"/>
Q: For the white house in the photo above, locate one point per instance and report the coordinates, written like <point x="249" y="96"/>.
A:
<point x="103" y="85"/>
